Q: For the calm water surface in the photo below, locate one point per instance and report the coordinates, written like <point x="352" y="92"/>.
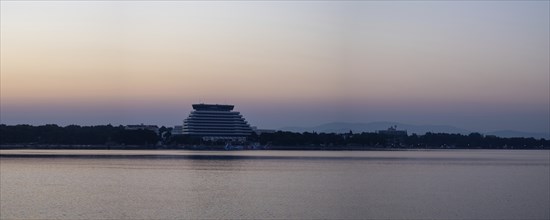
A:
<point x="451" y="184"/>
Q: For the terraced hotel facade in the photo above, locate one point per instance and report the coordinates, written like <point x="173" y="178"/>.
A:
<point x="216" y="122"/>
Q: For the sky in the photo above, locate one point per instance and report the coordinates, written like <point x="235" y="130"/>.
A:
<point x="477" y="65"/>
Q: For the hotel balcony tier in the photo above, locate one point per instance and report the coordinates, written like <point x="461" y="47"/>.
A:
<point x="220" y="127"/>
<point x="216" y="126"/>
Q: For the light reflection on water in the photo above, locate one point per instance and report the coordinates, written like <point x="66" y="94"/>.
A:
<point x="458" y="184"/>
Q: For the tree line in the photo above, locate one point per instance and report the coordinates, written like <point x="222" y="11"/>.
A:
<point x="108" y="135"/>
<point x="75" y="135"/>
<point x="376" y="140"/>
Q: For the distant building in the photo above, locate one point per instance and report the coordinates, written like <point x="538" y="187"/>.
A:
<point x="177" y="130"/>
<point x="393" y="131"/>
<point x="153" y="128"/>
<point x="213" y="122"/>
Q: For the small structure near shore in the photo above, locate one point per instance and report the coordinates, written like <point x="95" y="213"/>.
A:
<point x="153" y="128"/>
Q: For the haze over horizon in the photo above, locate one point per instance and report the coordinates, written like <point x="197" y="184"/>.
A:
<point x="480" y="66"/>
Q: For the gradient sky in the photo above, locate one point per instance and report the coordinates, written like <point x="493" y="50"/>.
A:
<point x="481" y="66"/>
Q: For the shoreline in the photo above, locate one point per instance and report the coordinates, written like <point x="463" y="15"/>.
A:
<point x="221" y="148"/>
<point x="432" y="155"/>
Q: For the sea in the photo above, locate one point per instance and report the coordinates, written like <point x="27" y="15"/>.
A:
<point x="178" y="184"/>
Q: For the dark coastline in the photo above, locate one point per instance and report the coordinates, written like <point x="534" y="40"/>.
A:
<point x="107" y="137"/>
<point x="221" y="148"/>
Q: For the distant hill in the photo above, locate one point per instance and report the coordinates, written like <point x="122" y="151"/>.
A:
<point x="344" y="127"/>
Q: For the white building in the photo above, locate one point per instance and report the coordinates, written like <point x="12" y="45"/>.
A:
<point x="216" y="122"/>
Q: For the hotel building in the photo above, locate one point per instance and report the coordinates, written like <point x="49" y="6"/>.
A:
<point x="216" y="122"/>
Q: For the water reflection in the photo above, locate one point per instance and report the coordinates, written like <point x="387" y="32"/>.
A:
<point x="459" y="184"/>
